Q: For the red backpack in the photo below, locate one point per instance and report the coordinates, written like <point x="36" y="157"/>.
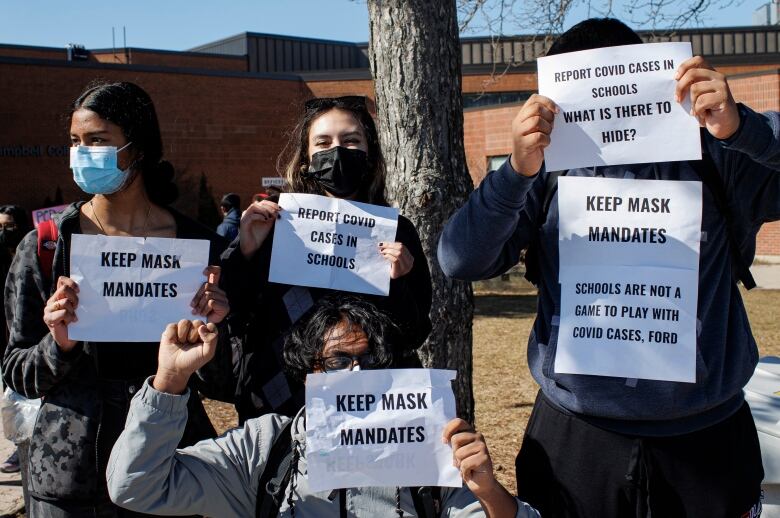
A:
<point x="47" y="244"/>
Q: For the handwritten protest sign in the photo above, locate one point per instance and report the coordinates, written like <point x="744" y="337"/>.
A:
<point x="332" y="243"/>
<point x="379" y="428"/>
<point x="41" y="215"/>
<point x="130" y="288"/>
<point x="617" y="107"/>
<point x="629" y="274"/>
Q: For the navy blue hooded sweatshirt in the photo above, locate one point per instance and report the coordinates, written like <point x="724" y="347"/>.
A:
<point x="486" y="236"/>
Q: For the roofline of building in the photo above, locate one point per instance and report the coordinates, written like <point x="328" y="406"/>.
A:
<point x="268" y="35"/>
<point x="119" y="50"/>
<point x="6" y="60"/>
<point x="30" y="47"/>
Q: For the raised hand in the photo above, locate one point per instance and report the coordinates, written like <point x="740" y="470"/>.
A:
<point x="184" y="348"/>
<point x="400" y="258"/>
<point x="711" y="100"/>
<point x="211" y="301"/>
<point x="531" y="134"/>
<point x="256" y="223"/>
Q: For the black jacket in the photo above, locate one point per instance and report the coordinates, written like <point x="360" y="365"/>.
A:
<point x="261" y="316"/>
<point x="87" y="390"/>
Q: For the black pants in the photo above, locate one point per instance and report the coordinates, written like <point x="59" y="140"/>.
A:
<point x="569" y="468"/>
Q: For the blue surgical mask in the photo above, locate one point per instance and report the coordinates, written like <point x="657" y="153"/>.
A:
<point x="95" y="169"/>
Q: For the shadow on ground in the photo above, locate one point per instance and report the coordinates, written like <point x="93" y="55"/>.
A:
<point x="500" y="305"/>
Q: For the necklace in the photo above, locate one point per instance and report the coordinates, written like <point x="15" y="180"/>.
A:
<point x="146" y="220"/>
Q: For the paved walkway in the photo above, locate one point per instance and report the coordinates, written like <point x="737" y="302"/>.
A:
<point x="11" y="500"/>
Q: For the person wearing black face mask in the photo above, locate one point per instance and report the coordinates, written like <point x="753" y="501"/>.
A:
<point x="334" y="151"/>
<point x="13" y="227"/>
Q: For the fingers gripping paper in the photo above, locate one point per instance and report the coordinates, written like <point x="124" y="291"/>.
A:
<point x="617" y="106"/>
<point x="629" y="274"/>
<point x="332" y="243"/>
<point x="130" y="288"/>
<point x="379" y="428"/>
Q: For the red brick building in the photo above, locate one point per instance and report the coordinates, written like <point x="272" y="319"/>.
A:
<point x="225" y="107"/>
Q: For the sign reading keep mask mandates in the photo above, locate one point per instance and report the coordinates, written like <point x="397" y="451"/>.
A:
<point x="130" y="288"/>
<point x="379" y="428"/>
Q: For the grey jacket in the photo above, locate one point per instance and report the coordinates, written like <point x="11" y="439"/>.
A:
<point x="220" y="477"/>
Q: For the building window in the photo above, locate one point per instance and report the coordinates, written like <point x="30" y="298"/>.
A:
<point x="494" y="162"/>
<point x="493" y="98"/>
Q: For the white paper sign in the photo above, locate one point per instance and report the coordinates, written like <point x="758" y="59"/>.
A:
<point x="332" y="243"/>
<point x="629" y="274"/>
<point x="41" y="215"/>
<point x="130" y="288"/>
<point x="617" y="106"/>
<point x="379" y="428"/>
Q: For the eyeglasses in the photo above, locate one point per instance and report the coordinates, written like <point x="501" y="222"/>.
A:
<point x="345" y="362"/>
<point x="8" y="226"/>
<point x="357" y="102"/>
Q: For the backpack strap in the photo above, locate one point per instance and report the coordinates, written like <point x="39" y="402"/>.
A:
<point x="47" y="244"/>
<point x="427" y="501"/>
<point x="276" y="475"/>
<point x="710" y="177"/>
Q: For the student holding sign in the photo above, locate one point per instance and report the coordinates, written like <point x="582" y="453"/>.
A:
<point x="87" y="386"/>
<point x="223" y="477"/>
<point x="334" y="151"/>
<point x="641" y="344"/>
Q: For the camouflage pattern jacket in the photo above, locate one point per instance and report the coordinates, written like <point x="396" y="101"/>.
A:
<point x="82" y="414"/>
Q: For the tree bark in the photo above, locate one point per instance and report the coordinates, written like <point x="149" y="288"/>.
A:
<point x="414" y="52"/>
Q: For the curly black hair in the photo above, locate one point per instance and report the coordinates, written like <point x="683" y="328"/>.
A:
<point x="305" y="341"/>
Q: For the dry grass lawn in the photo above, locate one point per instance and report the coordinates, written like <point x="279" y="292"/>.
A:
<point x="504" y="389"/>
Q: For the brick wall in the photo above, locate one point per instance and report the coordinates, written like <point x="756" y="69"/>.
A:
<point x="230" y="129"/>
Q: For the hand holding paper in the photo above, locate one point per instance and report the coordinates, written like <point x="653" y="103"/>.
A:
<point x="184" y="348"/>
<point x="211" y="301"/>
<point x="471" y="456"/>
<point x="60" y="310"/>
<point x="256" y="223"/>
<point x="711" y="99"/>
<point x="400" y="258"/>
<point x="531" y="134"/>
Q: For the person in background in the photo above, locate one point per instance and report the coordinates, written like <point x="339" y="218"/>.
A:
<point x="333" y="151"/>
<point x="13" y="227"/>
<point x="221" y="477"/>
<point x="117" y="160"/>
<point x="231" y="215"/>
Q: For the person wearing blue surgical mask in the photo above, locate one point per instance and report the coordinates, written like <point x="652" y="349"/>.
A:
<point x="117" y="159"/>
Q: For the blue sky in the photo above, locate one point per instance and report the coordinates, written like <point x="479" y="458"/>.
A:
<point x="182" y="24"/>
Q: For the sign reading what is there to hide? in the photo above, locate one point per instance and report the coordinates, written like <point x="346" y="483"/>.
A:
<point x="617" y="106"/>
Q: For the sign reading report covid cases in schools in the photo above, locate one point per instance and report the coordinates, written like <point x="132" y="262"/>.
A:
<point x="379" y="428"/>
<point x="332" y="243"/>
<point x="629" y="274"/>
<point x="130" y="288"/>
<point x="617" y="106"/>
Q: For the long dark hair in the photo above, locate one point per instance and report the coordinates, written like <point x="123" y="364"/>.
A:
<point x="128" y="106"/>
<point x="295" y="155"/>
<point x="303" y="345"/>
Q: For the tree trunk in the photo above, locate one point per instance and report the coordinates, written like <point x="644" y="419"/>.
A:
<point x="415" y="61"/>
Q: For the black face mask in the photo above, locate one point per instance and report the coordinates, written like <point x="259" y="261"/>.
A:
<point x="339" y="170"/>
<point x="10" y="238"/>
